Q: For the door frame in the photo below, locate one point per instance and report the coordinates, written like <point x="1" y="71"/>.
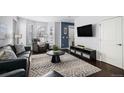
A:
<point x="69" y="34"/>
<point x="123" y="41"/>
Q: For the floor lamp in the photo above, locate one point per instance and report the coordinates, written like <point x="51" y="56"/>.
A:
<point x="17" y="37"/>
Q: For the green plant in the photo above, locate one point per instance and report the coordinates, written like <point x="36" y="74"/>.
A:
<point x="55" y="48"/>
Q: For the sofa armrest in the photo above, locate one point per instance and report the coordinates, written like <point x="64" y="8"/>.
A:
<point x="14" y="73"/>
<point x="12" y="64"/>
<point x="27" y="48"/>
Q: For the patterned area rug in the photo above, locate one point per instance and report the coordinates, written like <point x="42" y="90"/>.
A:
<point x="69" y="66"/>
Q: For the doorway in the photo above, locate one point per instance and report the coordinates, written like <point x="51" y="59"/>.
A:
<point x="71" y="35"/>
<point x="66" y="29"/>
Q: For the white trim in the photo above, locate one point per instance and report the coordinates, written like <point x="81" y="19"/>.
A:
<point x="72" y="27"/>
<point x="123" y="42"/>
<point x="60" y="33"/>
<point x="99" y="27"/>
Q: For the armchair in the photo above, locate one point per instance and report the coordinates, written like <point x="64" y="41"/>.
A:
<point x="39" y="46"/>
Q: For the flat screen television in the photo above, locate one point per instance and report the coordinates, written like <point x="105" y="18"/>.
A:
<point x="85" y="31"/>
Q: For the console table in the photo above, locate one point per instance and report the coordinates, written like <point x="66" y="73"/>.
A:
<point x="86" y="53"/>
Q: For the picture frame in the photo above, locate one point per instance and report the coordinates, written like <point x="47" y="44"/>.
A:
<point x="65" y="30"/>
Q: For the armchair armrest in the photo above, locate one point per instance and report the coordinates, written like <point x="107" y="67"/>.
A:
<point x="15" y="73"/>
<point x="27" y="48"/>
<point x="12" y="64"/>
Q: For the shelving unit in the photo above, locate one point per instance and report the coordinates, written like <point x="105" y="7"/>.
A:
<point x="86" y="53"/>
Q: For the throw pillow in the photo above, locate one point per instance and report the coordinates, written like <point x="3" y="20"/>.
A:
<point x="19" y="49"/>
<point x="42" y="44"/>
<point x="7" y="48"/>
<point x="8" y="54"/>
<point x="1" y="53"/>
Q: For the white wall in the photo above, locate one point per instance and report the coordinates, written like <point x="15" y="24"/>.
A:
<point x="22" y="31"/>
<point x="50" y="20"/>
<point x="58" y="34"/>
<point x="123" y="40"/>
<point x="36" y="25"/>
<point x="8" y="21"/>
<point x="90" y="42"/>
<point x="23" y="27"/>
<point x="51" y="38"/>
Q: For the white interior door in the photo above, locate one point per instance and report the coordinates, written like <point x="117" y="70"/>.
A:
<point x="111" y="41"/>
<point x="71" y="35"/>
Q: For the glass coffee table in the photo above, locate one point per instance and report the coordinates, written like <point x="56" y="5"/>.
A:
<point x="55" y="55"/>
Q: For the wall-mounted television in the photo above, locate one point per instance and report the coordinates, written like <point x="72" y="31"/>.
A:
<point x="85" y="31"/>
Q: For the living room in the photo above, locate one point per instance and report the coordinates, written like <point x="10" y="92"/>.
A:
<point x="53" y="41"/>
<point x="64" y="46"/>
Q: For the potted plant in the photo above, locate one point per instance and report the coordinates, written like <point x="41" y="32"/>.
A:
<point x="55" y="48"/>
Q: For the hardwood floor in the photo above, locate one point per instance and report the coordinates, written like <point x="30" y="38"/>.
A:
<point x="107" y="69"/>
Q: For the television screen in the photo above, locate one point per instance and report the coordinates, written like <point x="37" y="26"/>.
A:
<point x="85" y="31"/>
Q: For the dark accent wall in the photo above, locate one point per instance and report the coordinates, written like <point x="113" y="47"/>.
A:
<point x="65" y="34"/>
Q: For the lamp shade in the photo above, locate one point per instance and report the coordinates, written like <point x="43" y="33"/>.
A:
<point x="18" y="36"/>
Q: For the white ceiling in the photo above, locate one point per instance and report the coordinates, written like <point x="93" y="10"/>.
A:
<point x="65" y="18"/>
<point x="51" y="18"/>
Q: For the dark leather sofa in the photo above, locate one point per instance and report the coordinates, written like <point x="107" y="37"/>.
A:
<point x="16" y="67"/>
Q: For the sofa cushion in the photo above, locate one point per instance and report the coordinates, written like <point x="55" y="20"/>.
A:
<point x="23" y="55"/>
<point x="27" y="52"/>
<point x="19" y="49"/>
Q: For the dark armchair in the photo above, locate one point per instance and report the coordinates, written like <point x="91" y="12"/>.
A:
<point x="39" y="47"/>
